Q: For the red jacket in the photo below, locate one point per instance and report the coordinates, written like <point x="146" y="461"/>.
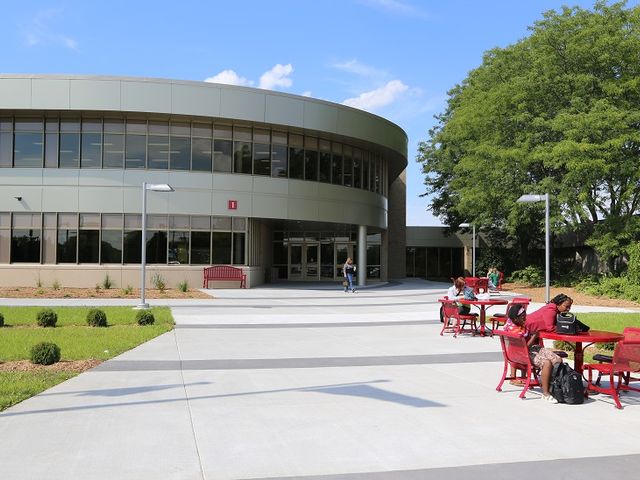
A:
<point x="543" y="319"/>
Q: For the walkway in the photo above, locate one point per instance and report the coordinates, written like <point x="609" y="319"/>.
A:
<point x="309" y="382"/>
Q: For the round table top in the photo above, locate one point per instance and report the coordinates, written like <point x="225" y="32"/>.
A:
<point x="488" y="301"/>
<point x="592" y="336"/>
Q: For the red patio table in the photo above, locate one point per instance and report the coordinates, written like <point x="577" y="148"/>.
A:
<point x="483" y="305"/>
<point x="590" y="337"/>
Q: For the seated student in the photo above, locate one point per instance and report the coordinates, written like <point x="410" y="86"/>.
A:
<point x="544" y="319"/>
<point x="494" y="278"/>
<point x="459" y="289"/>
<point x="541" y="357"/>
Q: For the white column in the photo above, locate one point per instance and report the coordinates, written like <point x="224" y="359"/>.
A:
<point x="362" y="256"/>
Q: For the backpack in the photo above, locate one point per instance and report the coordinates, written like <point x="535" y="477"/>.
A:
<point x="566" y="385"/>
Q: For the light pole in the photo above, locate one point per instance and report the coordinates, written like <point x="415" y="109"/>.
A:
<point x="547" y="263"/>
<point x="473" y="248"/>
<point x="154" y="187"/>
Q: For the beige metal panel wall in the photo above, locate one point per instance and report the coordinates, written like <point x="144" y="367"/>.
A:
<point x="64" y="92"/>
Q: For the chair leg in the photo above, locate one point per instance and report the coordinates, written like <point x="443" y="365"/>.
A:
<point x="614" y="389"/>
<point x="504" y="376"/>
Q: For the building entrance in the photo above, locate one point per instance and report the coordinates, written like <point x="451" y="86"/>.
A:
<point x="304" y="261"/>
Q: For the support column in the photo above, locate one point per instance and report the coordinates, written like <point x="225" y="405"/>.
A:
<point x="362" y="255"/>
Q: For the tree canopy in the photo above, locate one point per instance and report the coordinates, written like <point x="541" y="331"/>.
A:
<point x="556" y="112"/>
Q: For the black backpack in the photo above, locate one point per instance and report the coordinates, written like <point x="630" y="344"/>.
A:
<point x="566" y="385"/>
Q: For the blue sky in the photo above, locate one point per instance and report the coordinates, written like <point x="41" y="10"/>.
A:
<point x="394" y="58"/>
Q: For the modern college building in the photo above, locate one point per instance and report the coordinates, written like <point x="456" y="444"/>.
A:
<point x="285" y="187"/>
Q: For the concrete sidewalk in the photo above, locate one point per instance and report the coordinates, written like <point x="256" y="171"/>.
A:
<point x="311" y="382"/>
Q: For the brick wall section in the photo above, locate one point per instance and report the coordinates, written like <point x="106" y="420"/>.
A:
<point x="398" y="227"/>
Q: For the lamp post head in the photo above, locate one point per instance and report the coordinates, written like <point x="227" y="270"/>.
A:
<point x="160" y="187"/>
<point x="465" y="225"/>
<point x="531" y="198"/>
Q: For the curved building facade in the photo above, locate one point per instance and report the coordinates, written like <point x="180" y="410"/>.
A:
<point x="284" y="186"/>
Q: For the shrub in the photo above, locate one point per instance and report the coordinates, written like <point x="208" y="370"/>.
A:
<point x="531" y="276"/>
<point x="107" y="283"/>
<point x="145" y="317"/>
<point x="127" y="290"/>
<point x="39" y="283"/>
<point x="45" y="353"/>
<point x="158" y="282"/>
<point x="183" y="286"/>
<point x="1" y="320"/>
<point x="96" y="318"/>
<point x="56" y="285"/>
<point x="566" y="346"/>
<point x="47" y="318"/>
<point x="633" y="267"/>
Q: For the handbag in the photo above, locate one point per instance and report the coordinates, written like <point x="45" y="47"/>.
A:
<point x="568" y="324"/>
<point x="345" y="283"/>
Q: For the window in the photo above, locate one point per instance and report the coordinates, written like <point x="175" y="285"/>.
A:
<point x="238" y="248"/>
<point x="325" y="161"/>
<point x="89" y="238"/>
<point x="132" y="246"/>
<point x="242" y="157"/>
<point x="25" y="238"/>
<point x="278" y="160"/>
<point x="113" y="150"/>
<point x="222" y="154"/>
<point x="178" y="247"/>
<point x="111" y="246"/>
<point x="180" y="153"/>
<point x="200" y="248"/>
<point x="347" y="166"/>
<point x="67" y="245"/>
<point x="357" y="168"/>
<point x="262" y="159"/>
<point x="91" y="151"/>
<point x="136" y="144"/>
<point x="221" y="243"/>
<point x="201" y="154"/>
<point x="311" y="159"/>
<point x="27" y="149"/>
<point x="336" y="164"/>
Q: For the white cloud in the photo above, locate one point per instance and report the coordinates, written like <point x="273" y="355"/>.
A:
<point x="39" y="31"/>
<point x="278" y="76"/>
<point x="358" y="68"/>
<point x="379" y="97"/>
<point x="229" y="77"/>
<point x="395" y="6"/>
<point x="306" y="93"/>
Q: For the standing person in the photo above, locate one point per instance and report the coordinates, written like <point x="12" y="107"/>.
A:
<point x="348" y="269"/>
<point x="541" y="357"/>
<point x="544" y="319"/>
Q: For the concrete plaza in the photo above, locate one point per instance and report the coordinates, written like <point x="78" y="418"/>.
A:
<point x="306" y="381"/>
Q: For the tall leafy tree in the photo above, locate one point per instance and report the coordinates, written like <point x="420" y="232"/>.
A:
<point x="557" y="112"/>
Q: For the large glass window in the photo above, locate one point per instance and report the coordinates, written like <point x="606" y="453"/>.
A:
<point x="178" y="248"/>
<point x="262" y="159"/>
<point x="357" y="168"/>
<point x="311" y="158"/>
<point x="238" y="248"/>
<point x="347" y="173"/>
<point x="222" y="155"/>
<point x="27" y="149"/>
<point x="200" y="248"/>
<point x="156" y="246"/>
<point x="325" y="161"/>
<point x="111" y="246"/>
<point x="242" y="157"/>
<point x="113" y="150"/>
<point x="221" y="243"/>
<point x="89" y="246"/>
<point x="278" y="160"/>
<point x="201" y="154"/>
<point x="132" y="246"/>
<point x="136" y="144"/>
<point x="67" y="245"/>
<point x="336" y="164"/>
<point x="25" y="238"/>
<point x="69" y="150"/>
<point x="91" y="151"/>
<point x="180" y="153"/>
<point x="158" y="152"/>
<point x="6" y="149"/>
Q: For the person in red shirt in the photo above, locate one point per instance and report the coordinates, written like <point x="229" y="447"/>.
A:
<point x="544" y="319"/>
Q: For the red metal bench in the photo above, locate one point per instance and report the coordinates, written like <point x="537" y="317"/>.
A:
<point x="224" y="272"/>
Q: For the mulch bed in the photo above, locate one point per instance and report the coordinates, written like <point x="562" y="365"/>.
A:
<point x="62" y="366"/>
<point x="67" y="292"/>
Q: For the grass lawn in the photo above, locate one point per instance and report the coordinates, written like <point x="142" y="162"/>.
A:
<point x="76" y="340"/>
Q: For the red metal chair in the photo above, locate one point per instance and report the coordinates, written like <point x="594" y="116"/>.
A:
<point x="516" y="354"/>
<point x="604" y="358"/>
<point x="482" y="285"/>
<point x="454" y="321"/>
<point x="498" y="319"/>
<point x="625" y="363"/>
<point x="500" y="280"/>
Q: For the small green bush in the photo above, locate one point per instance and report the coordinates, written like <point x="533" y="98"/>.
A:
<point x="96" y="318"/>
<point x="47" y="318"/>
<point x="183" y="286"/>
<point x="127" y="290"/>
<point x="531" y="276"/>
<point x="1" y="320"/>
<point x="145" y="317"/>
<point x="107" y="283"/>
<point x="158" y="282"/>
<point x="566" y="346"/>
<point x="45" y="353"/>
<point x="56" y="285"/>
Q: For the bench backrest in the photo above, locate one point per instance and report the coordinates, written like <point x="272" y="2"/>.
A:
<point x="226" y="271"/>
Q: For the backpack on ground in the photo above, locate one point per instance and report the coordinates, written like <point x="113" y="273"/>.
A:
<point x="566" y="385"/>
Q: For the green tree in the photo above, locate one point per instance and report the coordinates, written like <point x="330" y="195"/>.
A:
<point x="557" y="112"/>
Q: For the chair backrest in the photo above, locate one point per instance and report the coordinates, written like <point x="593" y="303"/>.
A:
<point x="626" y="355"/>
<point x="524" y="301"/>
<point x="500" y="279"/>
<point x="449" y="309"/>
<point x="482" y="285"/>
<point x="514" y="348"/>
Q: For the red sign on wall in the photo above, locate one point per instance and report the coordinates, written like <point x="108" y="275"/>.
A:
<point x="232" y="205"/>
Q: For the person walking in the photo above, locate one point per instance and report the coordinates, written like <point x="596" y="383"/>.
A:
<point x="348" y="270"/>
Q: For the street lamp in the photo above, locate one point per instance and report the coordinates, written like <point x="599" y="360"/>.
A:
<point x="473" y="249"/>
<point x="154" y="187"/>
<point x="547" y="264"/>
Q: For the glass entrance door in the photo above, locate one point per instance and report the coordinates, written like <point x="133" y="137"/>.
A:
<point x="304" y="261"/>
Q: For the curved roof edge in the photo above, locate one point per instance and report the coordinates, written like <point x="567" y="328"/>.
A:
<point x="184" y="97"/>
